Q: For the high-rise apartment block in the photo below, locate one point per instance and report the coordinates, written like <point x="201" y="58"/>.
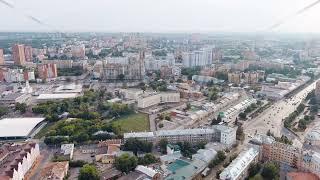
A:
<point x="18" y="54"/>
<point x="78" y="51"/>
<point x="1" y="57"/>
<point x="28" y="53"/>
<point x="47" y="71"/>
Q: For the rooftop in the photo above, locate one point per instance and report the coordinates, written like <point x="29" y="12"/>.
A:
<point x="238" y="165"/>
<point x="67" y="149"/>
<point x="69" y="88"/>
<point x="57" y="96"/>
<point x="18" y="127"/>
<point x="54" y="170"/>
<point x="184" y="132"/>
<point x="138" y="135"/>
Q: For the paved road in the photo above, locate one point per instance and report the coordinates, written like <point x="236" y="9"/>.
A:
<point x="271" y="118"/>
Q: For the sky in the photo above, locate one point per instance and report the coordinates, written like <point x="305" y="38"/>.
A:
<point x="159" y="15"/>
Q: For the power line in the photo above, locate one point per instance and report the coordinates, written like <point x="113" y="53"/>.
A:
<point x="279" y="23"/>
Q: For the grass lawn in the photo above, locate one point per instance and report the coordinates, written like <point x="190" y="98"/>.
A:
<point x="134" y="122"/>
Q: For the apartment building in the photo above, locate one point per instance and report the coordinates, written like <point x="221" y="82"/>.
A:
<point x="238" y="168"/>
<point x="47" y="71"/>
<point x="134" y="69"/>
<point x="148" y="100"/>
<point x="54" y="170"/>
<point x="202" y="57"/>
<point x="234" y="77"/>
<point x="227" y="134"/>
<point x="311" y="162"/>
<point x="18" y="54"/>
<point x="1" y="57"/>
<point x="283" y="153"/>
<point x="17" y="159"/>
<point x="189" y="135"/>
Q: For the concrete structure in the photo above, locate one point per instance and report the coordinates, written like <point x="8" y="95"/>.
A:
<point x="313" y="137"/>
<point x="56" y="97"/>
<point x="220" y="133"/>
<point x="54" y="171"/>
<point x="282" y="153"/>
<point x="227" y="134"/>
<point x="69" y="88"/>
<point x="47" y="71"/>
<point x="188" y="169"/>
<point x="67" y="150"/>
<point x="134" y="69"/>
<point x="202" y="57"/>
<point x="13" y="98"/>
<point x="142" y="136"/>
<point x="251" y="77"/>
<point x="234" y="77"/>
<point x="18" y="54"/>
<point x="16" y="75"/>
<point x="1" y="57"/>
<point x="147" y="100"/>
<point x="28" y="53"/>
<point x="206" y="79"/>
<point x="238" y="168"/>
<point x="78" y="51"/>
<point x="12" y="128"/>
<point x="17" y="159"/>
<point x="63" y="64"/>
<point x="311" y="162"/>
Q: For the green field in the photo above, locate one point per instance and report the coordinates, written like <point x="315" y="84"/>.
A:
<point x="134" y="122"/>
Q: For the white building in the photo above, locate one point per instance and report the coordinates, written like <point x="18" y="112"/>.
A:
<point x="154" y="99"/>
<point x="197" y="58"/>
<point x="142" y="136"/>
<point x="313" y="137"/>
<point x="311" y="162"/>
<point x="227" y="134"/>
<point x="238" y="169"/>
<point x="220" y="133"/>
<point x="17" y="160"/>
<point x="67" y="150"/>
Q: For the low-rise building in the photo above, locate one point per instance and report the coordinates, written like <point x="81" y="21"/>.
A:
<point x="227" y="134"/>
<point x="188" y="135"/>
<point x="148" y="100"/>
<point x="311" y="162"/>
<point x="238" y="168"/>
<point x="13" y="98"/>
<point x="17" y="159"/>
<point x="234" y="77"/>
<point x="54" y="171"/>
<point x="67" y="150"/>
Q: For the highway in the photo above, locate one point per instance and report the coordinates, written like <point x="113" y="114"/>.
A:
<point x="271" y="118"/>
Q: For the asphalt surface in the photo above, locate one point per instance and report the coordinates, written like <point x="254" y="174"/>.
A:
<point x="272" y="118"/>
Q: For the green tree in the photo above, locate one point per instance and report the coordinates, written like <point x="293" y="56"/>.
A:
<point x="22" y="107"/>
<point x="243" y="115"/>
<point x="88" y="172"/>
<point x="254" y="169"/>
<point x="3" y="111"/>
<point x="240" y="134"/>
<point x="270" y="171"/>
<point x="163" y="145"/>
<point x="126" y="163"/>
<point x="147" y="159"/>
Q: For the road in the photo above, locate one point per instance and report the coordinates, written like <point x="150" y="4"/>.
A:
<point x="271" y="118"/>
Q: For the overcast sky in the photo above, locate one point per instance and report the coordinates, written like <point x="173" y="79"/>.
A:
<point x="159" y="15"/>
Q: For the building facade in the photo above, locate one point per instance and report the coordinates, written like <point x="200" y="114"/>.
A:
<point x="47" y="71"/>
<point x="16" y="160"/>
<point x="18" y="54"/>
<point x="1" y="57"/>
